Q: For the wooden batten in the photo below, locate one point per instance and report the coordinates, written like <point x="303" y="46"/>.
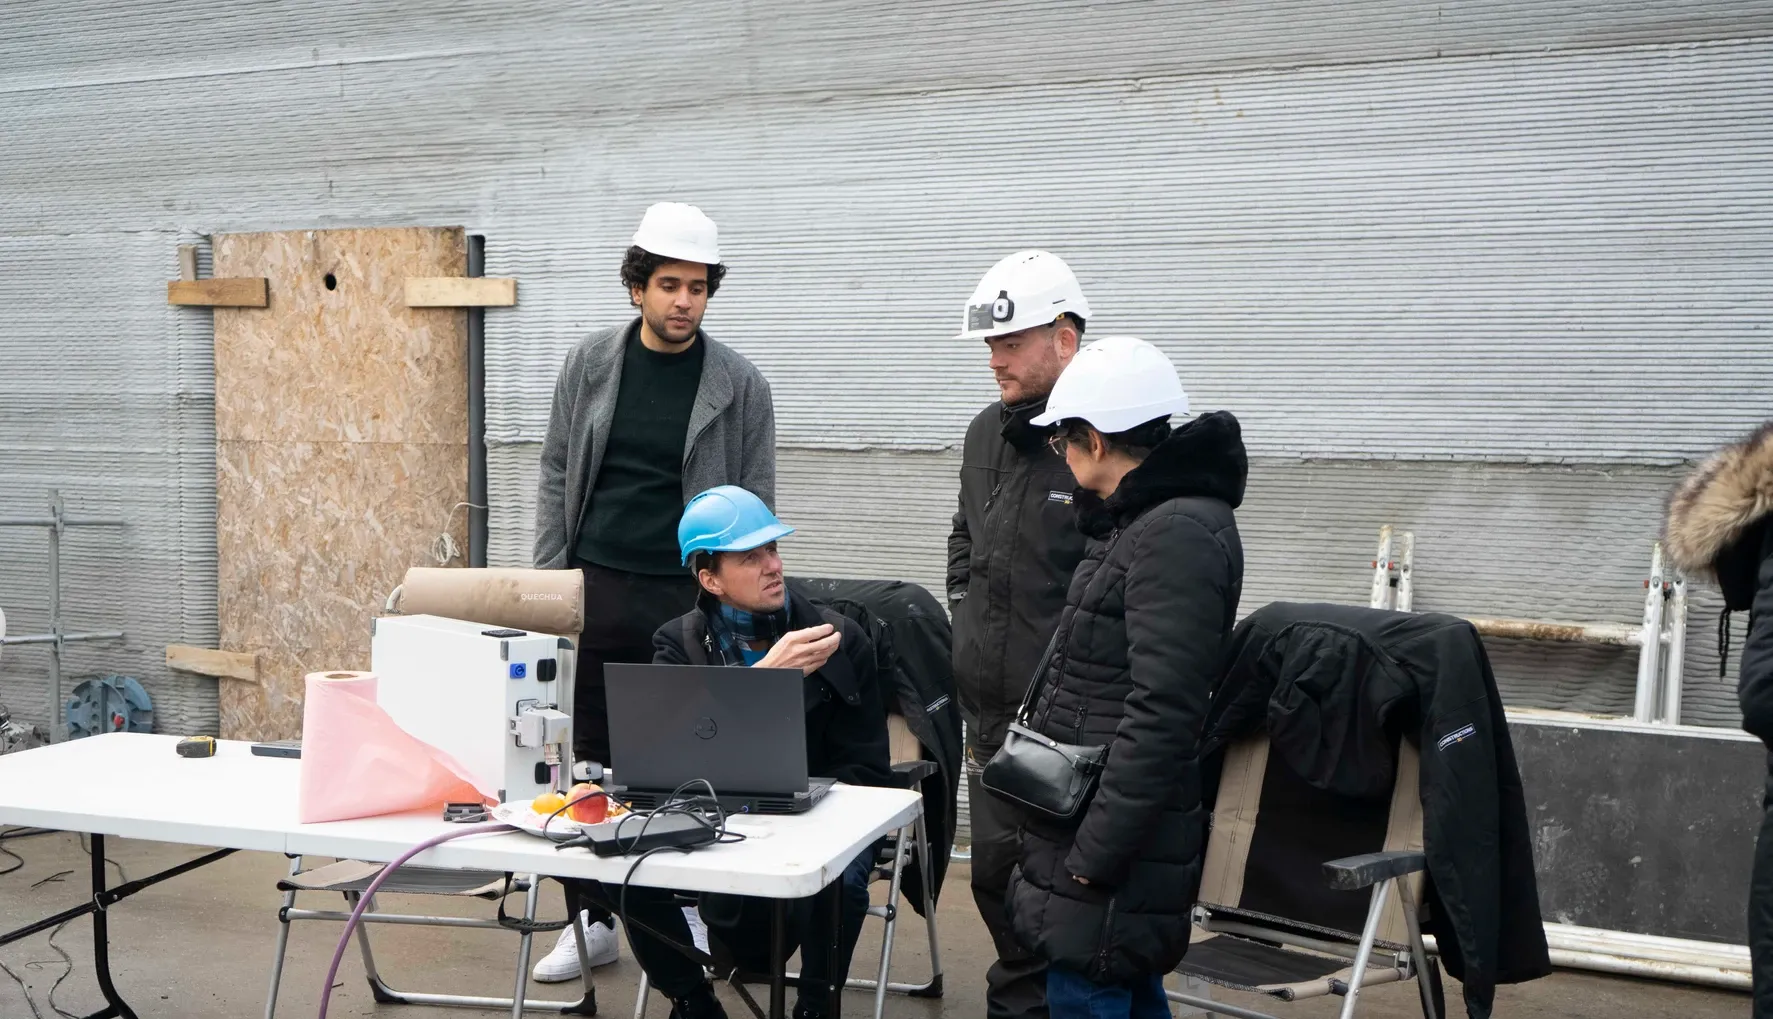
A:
<point x="210" y="662"/>
<point x="238" y="292"/>
<point x="460" y="292"/>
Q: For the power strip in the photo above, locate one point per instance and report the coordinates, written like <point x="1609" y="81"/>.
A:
<point x="643" y="833"/>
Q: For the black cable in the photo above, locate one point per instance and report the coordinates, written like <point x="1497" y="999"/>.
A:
<point x="18" y="861"/>
<point x="675" y="804"/>
<point x="710" y="815"/>
<point x="123" y="875"/>
<point x="22" y="989"/>
<point x="68" y="960"/>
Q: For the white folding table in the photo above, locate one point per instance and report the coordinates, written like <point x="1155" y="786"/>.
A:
<point x="134" y="785"/>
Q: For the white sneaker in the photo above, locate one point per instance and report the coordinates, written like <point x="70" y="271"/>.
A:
<point x="563" y="963"/>
<point x="698" y="929"/>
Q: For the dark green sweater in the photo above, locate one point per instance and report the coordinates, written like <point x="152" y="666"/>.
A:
<point x="637" y="497"/>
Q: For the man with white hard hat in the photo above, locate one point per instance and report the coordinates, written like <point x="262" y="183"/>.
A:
<point x="646" y="414"/>
<point x="1011" y="553"/>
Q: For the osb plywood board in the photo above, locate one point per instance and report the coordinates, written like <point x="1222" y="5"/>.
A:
<point x="352" y="363"/>
<point x="341" y="450"/>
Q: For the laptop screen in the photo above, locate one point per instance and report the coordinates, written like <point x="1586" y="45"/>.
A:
<point x="743" y="730"/>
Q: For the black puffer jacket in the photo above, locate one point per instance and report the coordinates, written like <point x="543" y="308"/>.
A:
<point x="1140" y="644"/>
<point x="1010" y="557"/>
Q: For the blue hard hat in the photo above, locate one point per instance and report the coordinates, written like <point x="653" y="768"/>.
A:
<point x="727" y="519"/>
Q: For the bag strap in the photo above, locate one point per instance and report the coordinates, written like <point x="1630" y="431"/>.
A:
<point x="1039" y="680"/>
<point x="1040" y="671"/>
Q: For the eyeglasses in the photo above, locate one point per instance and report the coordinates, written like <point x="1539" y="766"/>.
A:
<point x="1058" y="442"/>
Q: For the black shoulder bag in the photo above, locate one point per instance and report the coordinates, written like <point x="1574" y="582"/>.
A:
<point x="1050" y="778"/>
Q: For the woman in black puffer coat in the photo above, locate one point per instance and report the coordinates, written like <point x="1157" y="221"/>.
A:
<point x="1106" y="901"/>
<point x="1720" y="524"/>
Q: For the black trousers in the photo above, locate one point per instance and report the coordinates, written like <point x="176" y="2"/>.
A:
<point x="622" y="611"/>
<point x="741" y="924"/>
<point x="1016" y="984"/>
<point x="1760" y="908"/>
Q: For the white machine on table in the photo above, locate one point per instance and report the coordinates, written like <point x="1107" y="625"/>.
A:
<point x="498" y="700"/>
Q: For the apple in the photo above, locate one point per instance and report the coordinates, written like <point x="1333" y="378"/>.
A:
<point x="586" y="803"/>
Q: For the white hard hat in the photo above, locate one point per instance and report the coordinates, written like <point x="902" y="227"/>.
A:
<point x="1115" y="383"/>
<point x="678" y="231"/>
<point x="1027" y="289"/>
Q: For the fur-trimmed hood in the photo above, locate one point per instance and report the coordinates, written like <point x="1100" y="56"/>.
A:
<point x="1718" y="503"/>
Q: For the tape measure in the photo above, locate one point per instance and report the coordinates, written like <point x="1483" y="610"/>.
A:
<point x="197" y="746"/>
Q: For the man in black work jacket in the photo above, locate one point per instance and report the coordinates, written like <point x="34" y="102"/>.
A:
<point x="1720" y="525"/>
<point x="745" y="616"/>
<point x="1014" y="546"/>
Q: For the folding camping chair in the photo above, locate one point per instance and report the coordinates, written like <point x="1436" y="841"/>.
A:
<point x="351" y="877"/>
<point x="910" y="767"/>
<point x="910" y="845"/>
<point x="1280" y="910"/>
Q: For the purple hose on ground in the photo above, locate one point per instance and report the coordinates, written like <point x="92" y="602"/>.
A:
<point x="363" y="900"/>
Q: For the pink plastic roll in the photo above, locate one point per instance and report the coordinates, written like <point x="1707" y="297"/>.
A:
<point x="356" y="762"/>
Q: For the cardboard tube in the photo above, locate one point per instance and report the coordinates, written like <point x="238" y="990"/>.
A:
<point x="539" y="601"/>
<point x="358" y="684"/>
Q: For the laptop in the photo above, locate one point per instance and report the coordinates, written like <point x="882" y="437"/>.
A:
<point x="743" y="730"/>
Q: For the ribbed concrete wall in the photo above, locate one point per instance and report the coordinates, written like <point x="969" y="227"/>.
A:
<point x="1560" y="543"/>
<point x="107" y="394"/>
<point x="1488" y="271"/>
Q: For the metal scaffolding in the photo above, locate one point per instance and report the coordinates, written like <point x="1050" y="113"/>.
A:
<point x="57" y="638"/>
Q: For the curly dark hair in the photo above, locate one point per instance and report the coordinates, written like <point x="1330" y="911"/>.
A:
<point x="639" y="264"/>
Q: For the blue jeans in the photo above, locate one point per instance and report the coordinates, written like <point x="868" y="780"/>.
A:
<point x="1071" y="995"/>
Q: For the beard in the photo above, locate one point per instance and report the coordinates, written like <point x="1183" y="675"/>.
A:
<point x="665" y="329"/>
<point x="1034" y="382"/>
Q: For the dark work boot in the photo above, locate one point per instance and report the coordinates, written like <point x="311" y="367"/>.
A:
<point x="698" y="1004"/>
<point x="811" y="1004"/>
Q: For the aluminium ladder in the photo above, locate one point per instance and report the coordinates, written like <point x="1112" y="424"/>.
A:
<point x="1661" y="637"/>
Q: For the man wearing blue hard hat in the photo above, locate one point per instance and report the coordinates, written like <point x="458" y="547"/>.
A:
<point x="745" y="615"/>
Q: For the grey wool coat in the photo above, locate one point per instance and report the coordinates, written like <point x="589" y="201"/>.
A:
<point x="731" y="438"/>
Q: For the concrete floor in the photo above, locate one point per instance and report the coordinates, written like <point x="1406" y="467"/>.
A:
<point x="199" y="947"/>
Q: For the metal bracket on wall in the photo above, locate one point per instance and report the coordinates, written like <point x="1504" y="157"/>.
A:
<point x="57" y="638"/>
<point x="1661" y="638"/>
